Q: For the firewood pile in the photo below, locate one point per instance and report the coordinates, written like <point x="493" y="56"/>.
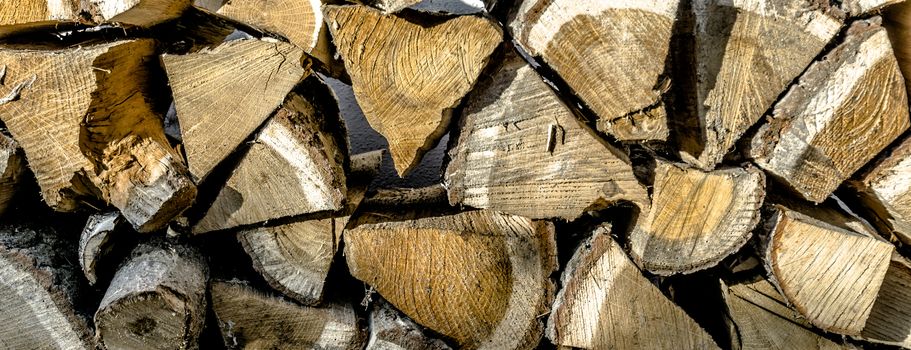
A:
<point x="617" y="174"/>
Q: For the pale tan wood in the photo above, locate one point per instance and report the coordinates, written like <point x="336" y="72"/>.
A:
<point x="763" y="320"/>
<point x="745" y="57"/>
<point x="391" y="6"/>
<point x="828" y="272"/>
<point x="890" y="319"/>
<point x="522" y="151"/>
<point x="844" y="110"/>
<point x="865" y="7"/>
<point x="223" y="94"/>
<point x="38" y="289"/>
<point x="129" y="12"/>
<point x="12" y="169"/>
<point x="606" y="302"/>
<point x="86" y="125"/>
<point x="300" y="21"/>
<point x="296" y="165"/>
<point x="885" y="191"/>
<point x="97" y="241"/>
<point x="156" y="300"/>
<point x="407" y="77"/>
<point x="391" y="330"/>
<point x="611" y="53"/>
<point x="250" y="319"/>
<point x="480" y="278"/>
<point x="697" y="218"/>
<point x="897" y="21"/>
<point x="29" y="11"/>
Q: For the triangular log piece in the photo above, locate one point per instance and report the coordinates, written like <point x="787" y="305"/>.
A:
<point x="697" y="218"/>
<point x="130" y="12"/>
<point x="250" y="319"/>
<point x="890" y="320"/>
<point x="745" y="58"/>
<point x="223" y="94"/>
<point x="391" y="330"/>
<point x="885" y="191"/>
<point x="12" y="168"/>
<point x="829" y="273"/>
<point x="156" y="300"/>
<point x="38" y="291"/>
<point x="480" y="278"/>
<point x="300" y="21"/>
<point x="762" y="320"/>
<point x="844" y="110"/>
<point x="606" y="302"/>
<point x="522" y="151"/>
<point x="612" y="54"/>
<point x="408" y="76"/>
<point x="295" y="166"/>
<point x="97" y="241"/>
<point x="108" y="141"/>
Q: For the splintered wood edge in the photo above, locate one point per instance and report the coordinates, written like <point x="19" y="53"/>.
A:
<point x="390" y="329"/>
<point x="95" y="240"/>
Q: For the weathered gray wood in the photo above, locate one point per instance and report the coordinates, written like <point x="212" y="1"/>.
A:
<point x="96" y="241"/>
<point x="885" y="192"/>
<point x="391" y="330"/>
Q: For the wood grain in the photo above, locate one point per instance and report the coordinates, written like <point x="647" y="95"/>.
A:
<point x="885" y="192"/>
<point x="97" y="240"/>
<point x="391" y="330"/>
<point x="890" y="319"/>
<point x="12" y="170"/>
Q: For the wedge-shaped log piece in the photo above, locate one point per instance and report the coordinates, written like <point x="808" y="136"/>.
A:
<point x="606" y="302"/>
<point x="130" y="12"/>
<point x="481" y="278"/>
<point x="829" y="273"/>
<point x="745" y="58"/>
<point x="844" y="110"/>
<point x="300" y="21"/>
<point x="157" y="299"/>
<point x="697" y="218"/>
<point x="97" y="241"/>
<point x="250" y="319"/>
<point x="223" y="94"/>
<point x="885" y="191"/>
<point x="522" y="151"/>
<point x="38" y="289"/>
<point x="890" y="320"/>
<point x="12" y="168"/>
<point x="106" y="140"/>
<point x="611" y="53"/>
<point x="763" y="320"/>
<point x="295" y="166"/>
<point x="408" y="76"/>
<point x="391" y="330"/>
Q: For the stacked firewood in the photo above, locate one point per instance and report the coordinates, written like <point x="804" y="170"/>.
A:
<point x="618" y="174"/>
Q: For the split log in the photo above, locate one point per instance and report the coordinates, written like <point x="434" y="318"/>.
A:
<point x="300" y="21"/>
<point x="156" y="300"/>
<point x="606" y="302"/>
<point x="697" y="218"/>
<point x="611" y="53"/>
<point x="890" y="319"/>
<point x="12" y="168"/>
<point x="897" y="21"/>
<point x="295" y="166"/>
<point x="863" y="7"/>
<point x="763" y="320"/>
<point x="223" y="94"/>
<point x="415" y="72"/>
<point x="96" y="242"/>
<point x="844" y="110"/>
<point x="108" y="141"/>
<point x="130" y="12"/>
<point x="481" y="278"/>
<point x="522" y="151"/>
<point x="38" y="291"/>
<point x="828" y="272"/>
<point x="885" y="191"/>
<point x="745" y="58"/>
<point x="391" y="330"/>
<point x="391" y="6"/>
<point x="250" y="319"/>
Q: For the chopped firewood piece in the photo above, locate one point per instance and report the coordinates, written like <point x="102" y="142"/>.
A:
<point x="39" y="291"/>
<point x="408" y="76"/>
<point x="480" y="278"/>
<point x="897" y="21"/>
<point x="130" y="12"/>
<point x="300" y="21"/>
<point x="12" y="167"/>
<point x="745" y="58"/>
<point x="611" y="53"/>
<point x="697" y="218"/>
<point x="885" y="191"/>
<point x="96" y="241"/>
<point x="863" y="7"/>
<point x="844" y="110"/>
<point x="391" y="330"/>
<point x="157" y="299"/>
<point x="107" y="140"/>
<point x="223" y="94"/>
<point x="522" y="151"/>
<point x="606" y="302"/>
<point x="829" y="273"/>
<point x="890" y="320"/>
<point x="250" y="319"/>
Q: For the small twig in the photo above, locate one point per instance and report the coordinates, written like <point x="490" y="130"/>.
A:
<point x="551" y="138"/>
<point x="14" y="93"/>
<point x="102" y="70"/>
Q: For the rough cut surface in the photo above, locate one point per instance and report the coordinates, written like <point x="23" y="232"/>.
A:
<point x="885" y="191"/>
<point x="407" y="76"/>
<point x="300" y="21"/>
<point x="745" y="57"/>
<point x="126" y="12"/>
<point x="390" y="330"/>
<point x="479" y="277"/>
<point x="890" y="319"/>
<point x="250" y="319"/>
<point x="522" y="151"/>
<point x="607" y="303"/>
<point x="830" y="274"/>
<point x="611" y="53"/>
<point x="223" y="94"/>
<point x="697" y="218"/>
<point x="844" y="110"/>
